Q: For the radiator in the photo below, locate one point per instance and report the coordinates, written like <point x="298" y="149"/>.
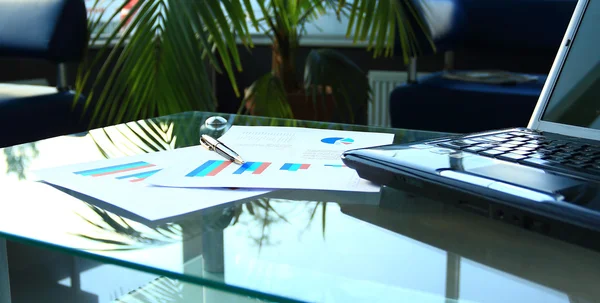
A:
<point x="382" y="83"/>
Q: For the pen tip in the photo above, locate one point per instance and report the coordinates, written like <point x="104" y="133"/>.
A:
<point x="238" y="160"/>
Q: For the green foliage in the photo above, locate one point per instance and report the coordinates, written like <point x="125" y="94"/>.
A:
<point x="155" y="61"/>
<point x="266" y="97"/>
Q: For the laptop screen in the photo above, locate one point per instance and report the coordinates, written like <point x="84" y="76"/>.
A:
<point x="575" y="99"/>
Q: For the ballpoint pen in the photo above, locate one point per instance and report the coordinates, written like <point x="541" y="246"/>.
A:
<point x="217" y="146"/>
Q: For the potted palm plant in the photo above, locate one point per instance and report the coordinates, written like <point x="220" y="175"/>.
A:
<point x="155" y="60"/>
<point x="334" y="88"/>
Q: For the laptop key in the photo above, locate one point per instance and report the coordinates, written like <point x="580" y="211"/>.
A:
<point x="537" y="141"/>
<point x="470" y="142"/>
<point x="497" y="139"/>
<point x="491" y="153"/>
<point x="570" y="148"/>
<point x="587" y="155"/>
<point x="521" y="152"/>
<point x="581" y="159"/>
<point x="525" y="148"/>
<point x="511" y="157"/>
<point x="577" y="145"/>
<point x="556" y="159"/>
<point x="482" y="140"/>
<point x="530" y="145"/>
<point x="534" y="137"/>
<point x="545" y="151"/>
<point x="556" y="144"/>
<point x="537" y="155"/>
<point x="563" y="155"/>
<point x="486" y="145"/>
<point x="590" y="150"/>
<point x="474" y="149"/>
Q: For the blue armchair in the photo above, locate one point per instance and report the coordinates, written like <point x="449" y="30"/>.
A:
<point x="52" y="30"/>
<point x="439" y="102"/>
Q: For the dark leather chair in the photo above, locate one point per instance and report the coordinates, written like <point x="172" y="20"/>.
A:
<point x="510" y="28"/>
<point x="52" y="30"/>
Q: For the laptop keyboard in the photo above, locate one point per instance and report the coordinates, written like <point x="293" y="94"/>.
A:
<point x="532" y="150"/>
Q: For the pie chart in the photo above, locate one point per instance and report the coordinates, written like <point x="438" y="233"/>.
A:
<point x="337" y="140"/>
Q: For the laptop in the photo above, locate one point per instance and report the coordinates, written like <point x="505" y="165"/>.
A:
<point x="544" y="177"/>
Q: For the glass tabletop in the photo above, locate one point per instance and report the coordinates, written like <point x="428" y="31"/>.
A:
<point x="290" y="245"/>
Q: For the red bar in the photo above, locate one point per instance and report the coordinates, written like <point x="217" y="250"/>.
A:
<point x="123" y="170"/>
<point x="261" y="168"/>
<point x="138" y="180"/>
<point x="218" y="169"/>
<point x="304" y="166"/>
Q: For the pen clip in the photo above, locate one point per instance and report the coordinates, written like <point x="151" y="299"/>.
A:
<point x="204" y="141"/>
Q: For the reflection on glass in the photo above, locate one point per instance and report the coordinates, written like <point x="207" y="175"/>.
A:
<point x="18" y="158"/>
<point x="352" y="263"/>
<point x="103" y="283"/>
<point x="259" y="216"/>
<point x="261" y="219"/>
<point x="118" y="233"/>
<point x="166" y="290"/>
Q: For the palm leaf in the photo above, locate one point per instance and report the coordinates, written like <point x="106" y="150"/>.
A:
<point x="266" y="97"/>
<point x="158" y="65"/>
<point x="160" y="290"/>
<point x="383" y="22"/>
<point x="327" y="68"/>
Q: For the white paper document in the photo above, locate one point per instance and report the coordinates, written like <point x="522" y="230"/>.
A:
<point x="295" y="143"/>
<point x="277" y="158"/>
<point x="121" y="182"/>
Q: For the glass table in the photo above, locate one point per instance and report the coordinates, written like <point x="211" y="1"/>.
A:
<point x="286" y="246"/>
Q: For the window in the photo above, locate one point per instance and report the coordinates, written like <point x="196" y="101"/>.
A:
<point x="104" y="10"/>
<point x="326" y="31"/>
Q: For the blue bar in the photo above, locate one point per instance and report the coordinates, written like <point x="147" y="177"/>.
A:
<point x="286" y="166"/>
<point x="254" y="166"/>
<point x="111" y="168"/>
<point x="207" y="170"/>
<point x="200" y="168"/>
<point x="294" y="167"/>
<point x="140" y="175"/>
<point x="243" y="168"/>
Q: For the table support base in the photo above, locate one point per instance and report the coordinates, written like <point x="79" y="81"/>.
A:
<point x="4" y="281"/>
<point x="452" y="277"/>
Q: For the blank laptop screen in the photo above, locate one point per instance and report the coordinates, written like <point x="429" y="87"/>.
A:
<point x="576" y="96"/>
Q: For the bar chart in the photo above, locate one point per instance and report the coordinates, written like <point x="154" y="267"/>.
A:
<point x="116" y="169"/>
<point x="335" y="165"/>
<point x="138" y="177"/>
<point x="209" y="168"/>
<point x="256" y="168"/>
<point x="294" y="166"/>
